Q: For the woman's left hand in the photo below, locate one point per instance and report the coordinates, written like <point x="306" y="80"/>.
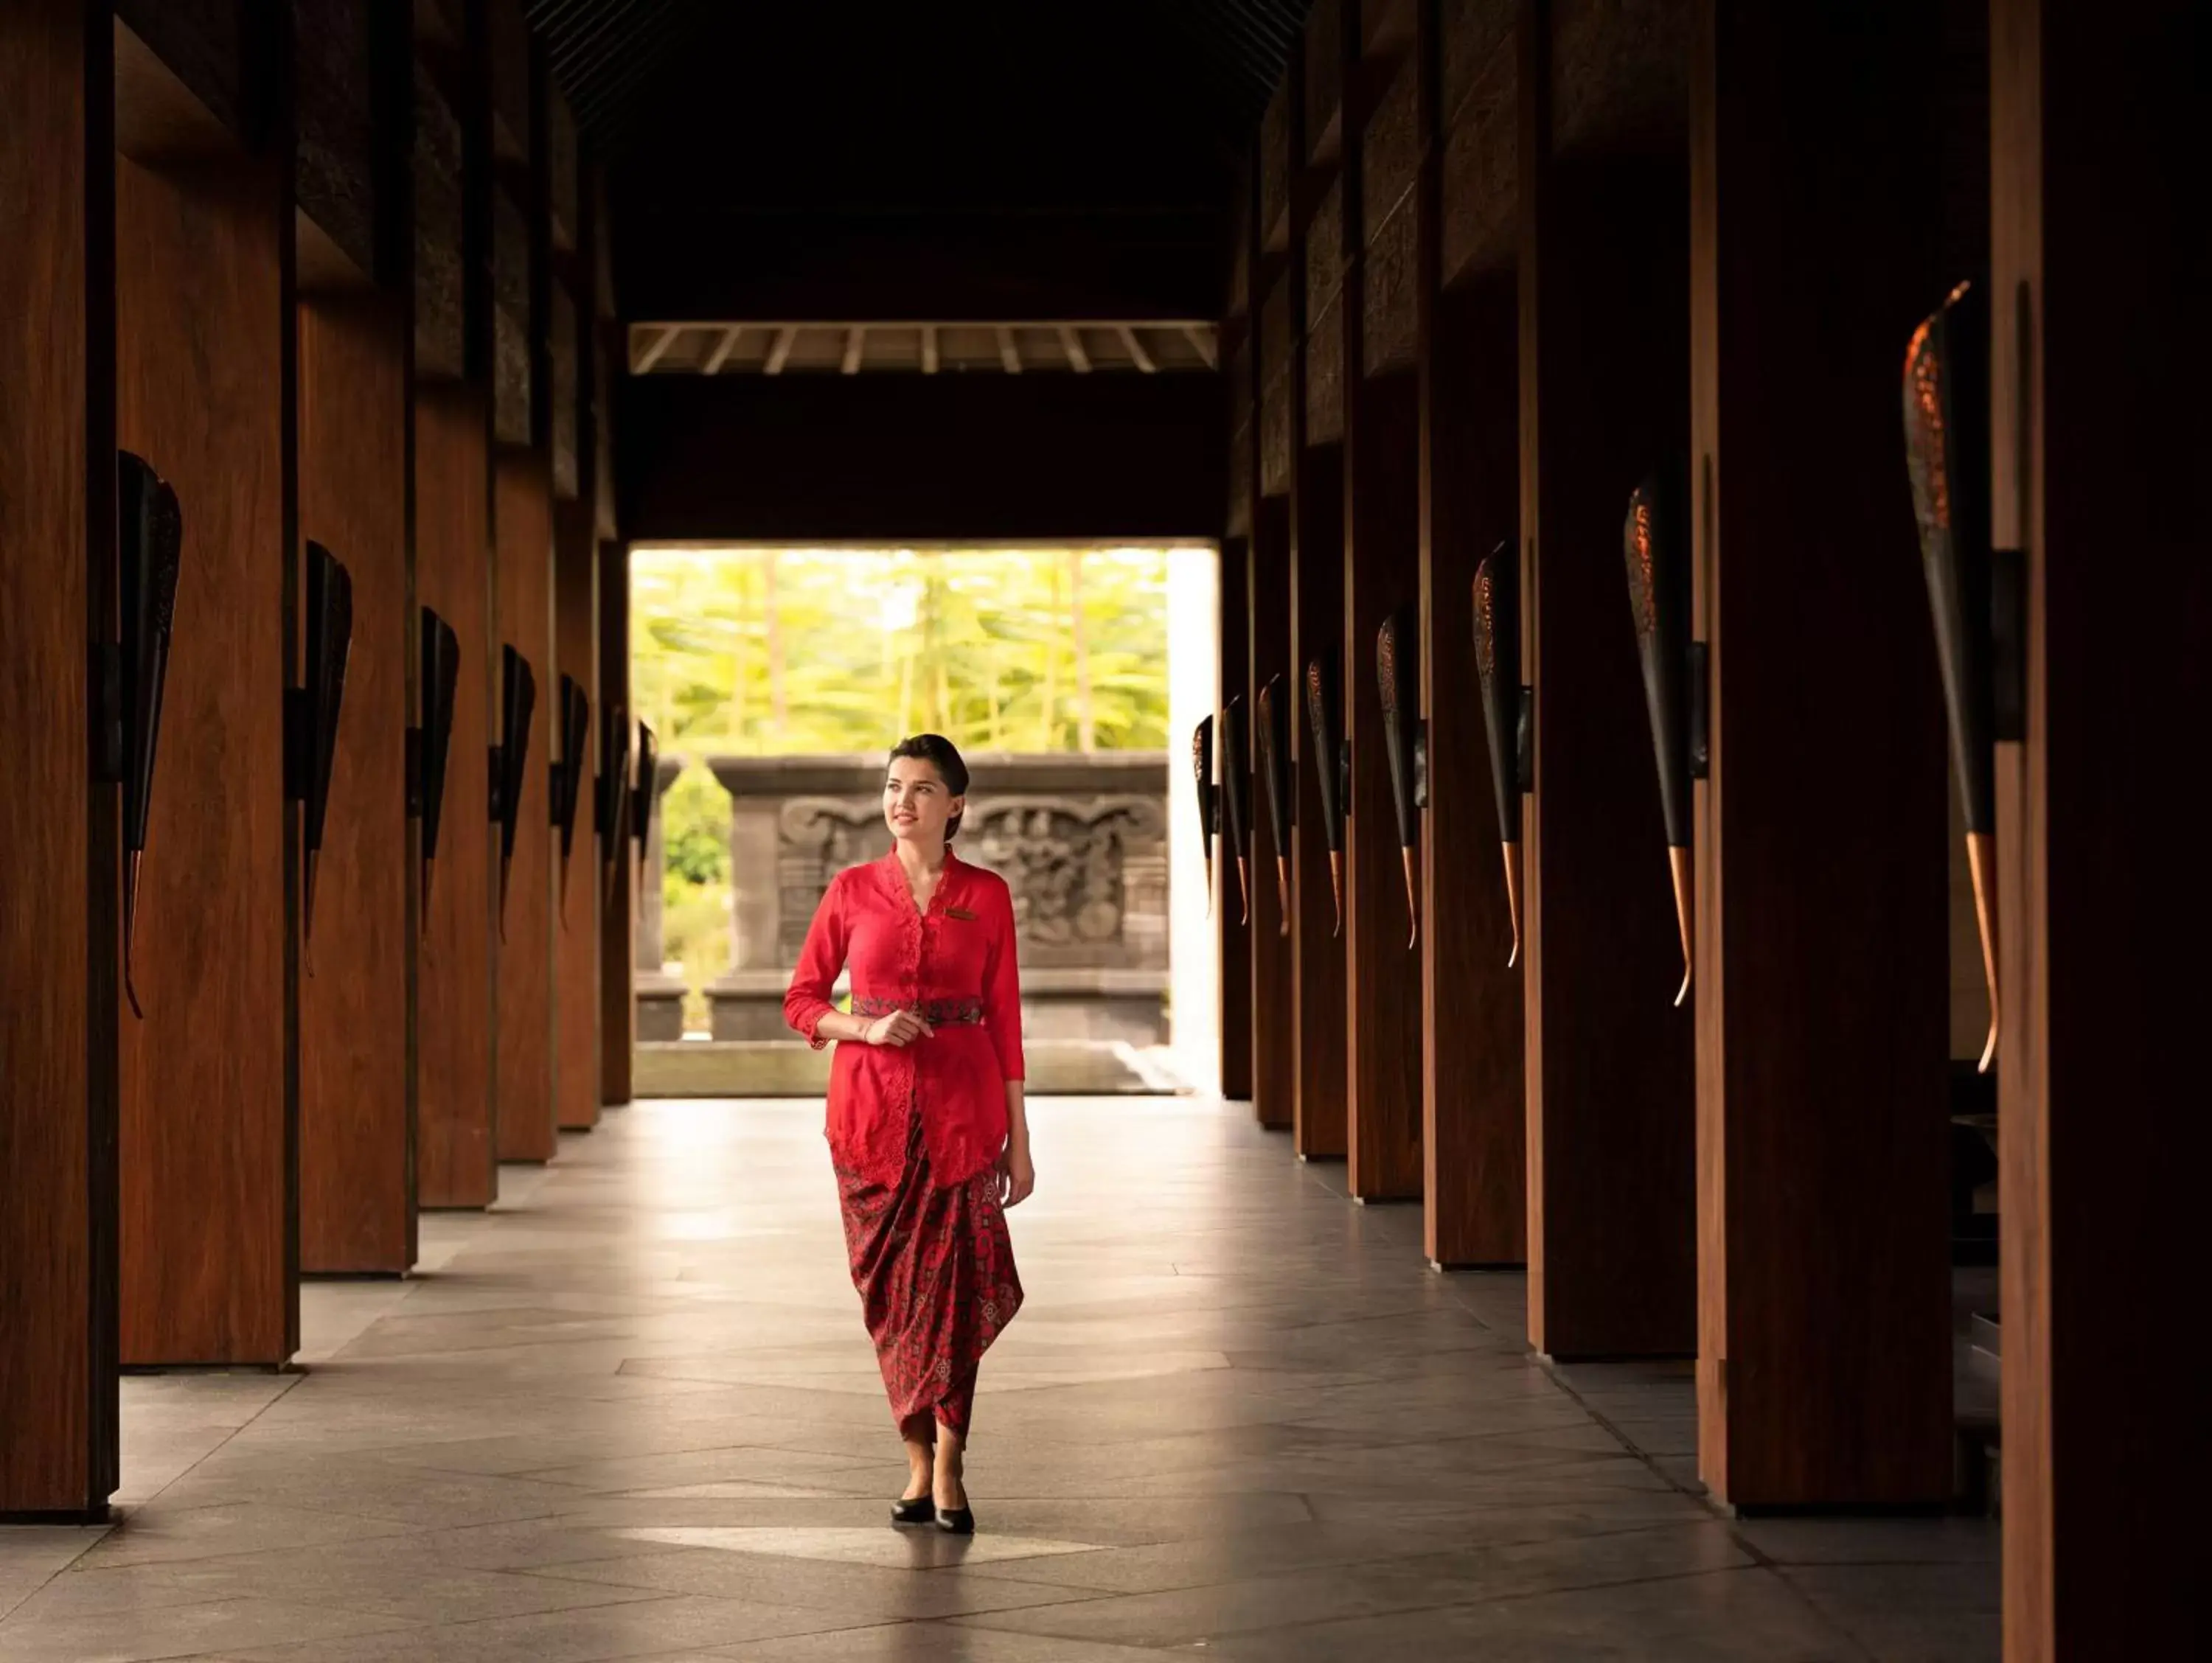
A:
<point x="1017" y="1177"/>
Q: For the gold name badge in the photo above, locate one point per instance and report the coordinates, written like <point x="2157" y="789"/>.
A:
<point x="960" y="913"/>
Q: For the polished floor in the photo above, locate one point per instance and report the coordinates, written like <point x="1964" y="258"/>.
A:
<point x="631" y="1413"/>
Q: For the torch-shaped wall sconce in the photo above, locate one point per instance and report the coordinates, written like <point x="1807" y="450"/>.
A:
<point x="1497" y="666"/>
<point x="614" y="787"/>
<point x="1236" y="797"/>
<point x="567" y="781"/>
<point x="1974" y="595"/>
<point x="1209" y="809"/>
<point x="1405" y="744"/>
<point x="433" y="740"/>
<point x="1331" y="768"/>
<point x="1275" y="780"/>
<point x="149" y="549"/>
<point x="646" y="788"/>
<point x="518" y="686"/>
<point x="1654" y="542"/>
<point x="312" y="712"/>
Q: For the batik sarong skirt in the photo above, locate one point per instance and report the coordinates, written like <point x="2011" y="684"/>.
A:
<point x="935" y="1270"/>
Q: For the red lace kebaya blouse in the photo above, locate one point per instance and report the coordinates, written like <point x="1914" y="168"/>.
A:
<point x="955" y="966"/>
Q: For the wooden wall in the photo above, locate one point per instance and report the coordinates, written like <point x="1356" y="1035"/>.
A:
<point x="1825" y="1345"/>
<point x="618" y="883"/>
<point x="1604" y="348"/>
<point x="58" y="1438"/>
<point x="209" y="1251"/>
<point x="357" y="1132"/>
<point x="457" y="1151"/>
<point x="577" y="1076"/>
<point x="522" y="516"/>
<point x="2097" y="446"/>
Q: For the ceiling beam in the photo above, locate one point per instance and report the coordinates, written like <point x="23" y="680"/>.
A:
<point x="653" y="354"/>
<point x="856" y="344"/>
<point x="724" y="348"/>
<point x="1202" y="343"/>
<point x="929" y="348"/>
<point x="780" y="350"/>
<point x="1071" y="343"/>
<point x="1138" y="356"/>
<point x="1009" y="356"/>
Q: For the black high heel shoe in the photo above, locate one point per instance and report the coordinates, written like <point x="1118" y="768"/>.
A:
<point x="956" y="1520"/>
<point x="921" y="1510"/>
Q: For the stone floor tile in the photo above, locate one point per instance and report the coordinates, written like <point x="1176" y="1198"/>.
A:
<point x="630" y="1411"/>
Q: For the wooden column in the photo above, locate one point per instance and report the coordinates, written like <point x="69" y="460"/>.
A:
<point x="522" y="516"/>
<point x="576" y="932"/>
<point x="356" y="1156"/>
<point x="458" y="1152"/>
<point x="1233" y="927"/>
<point x="58" y="1429"/>
<point x="1604" y="394"/>
<point x="209" y="1159"/>
<point x="2098" y="441"/>
<point x="617" y="916"/>
<point x="1473" y="1106"/>
<point x="1382" y="576"/>
<point x="1275" y="1037"/>
<point x="1824" y="1367"/>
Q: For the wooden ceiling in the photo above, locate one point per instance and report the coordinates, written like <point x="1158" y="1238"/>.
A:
<point x="1145" y="348"/>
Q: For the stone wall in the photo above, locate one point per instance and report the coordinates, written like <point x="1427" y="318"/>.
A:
<point x="1081" y="842"/>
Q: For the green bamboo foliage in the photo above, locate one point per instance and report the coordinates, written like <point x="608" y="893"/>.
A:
<point x="781" y="651"/>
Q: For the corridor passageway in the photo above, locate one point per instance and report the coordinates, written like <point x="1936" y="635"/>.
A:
<point x="631" y="1413"/>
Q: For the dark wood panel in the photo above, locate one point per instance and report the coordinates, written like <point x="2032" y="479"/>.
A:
<point x="617" y="942"/>
<point x="457" y="1158"/>
<point x="1317" y="940"/>
<point x="208" y="1267"/>
<point x="2101" y="1092"/>
<point x="1232" y="928"/>
<point x="576" y="924"/>
<point x="438" y="212"/>
<point x="1381" y="573"/>
<point x="214" y="47"/>
<point x="1604" y="393"/>
<point x="1825" y="1329"/>
<point x="513" y="368"/>
<point x="58" y="1449"/>
<point x="1274" y="1057"/>
<point x="1474" y="1131"/>
<point x="334" y="113"/>
<point x="937" y="456"/>
<point x="522" y="516"/>
<point x="357" y="1132"/>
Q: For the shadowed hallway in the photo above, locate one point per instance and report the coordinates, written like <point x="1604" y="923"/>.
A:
<point x="631" y="1413"/>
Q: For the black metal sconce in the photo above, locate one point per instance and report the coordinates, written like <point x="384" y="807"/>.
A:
<point x="1655" y="544"/>
<point x="312" y="713"/>
<point x="1275" y="779"/>
<point x="567" y="782"/>
<point x="433" y="741"/>
<point x="1405" y="744"/>
<point x="149" y="548"/>
<point x="509" y="760"/>
<point x="1331" y="767"/>
<point x="1506" y="710"/>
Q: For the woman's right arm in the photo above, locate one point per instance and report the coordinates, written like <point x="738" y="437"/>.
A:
<point x="806" y="1004"/>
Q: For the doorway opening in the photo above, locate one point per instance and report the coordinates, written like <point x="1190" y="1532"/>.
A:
<point x="777" y="677"/>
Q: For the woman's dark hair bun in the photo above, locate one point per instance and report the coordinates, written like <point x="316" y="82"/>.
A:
<point x="941" y="754"/>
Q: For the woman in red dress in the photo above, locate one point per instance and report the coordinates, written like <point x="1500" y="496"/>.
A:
<point x="927" y="1127"/>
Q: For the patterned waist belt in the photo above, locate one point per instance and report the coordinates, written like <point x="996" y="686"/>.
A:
<point x="938" y="1013"/>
